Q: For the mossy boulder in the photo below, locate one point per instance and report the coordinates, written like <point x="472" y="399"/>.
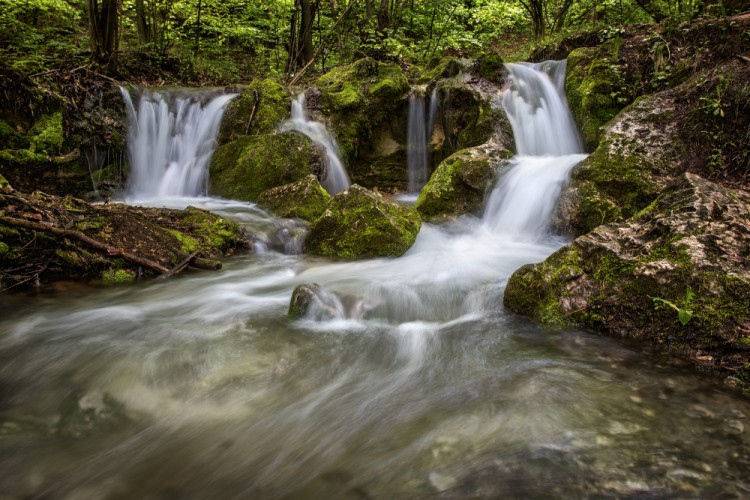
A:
<point x="458" y="185"/>
<point x="46" y="136"/>
<point x="362" y="224"/>
<point x="244" y="168"/>
<point x="266" y="100"/>
<point x="640" y="152"/>
<point x="594" y="87"/>
<point x="358" y="99"/>
<point x="689" y="249"/>
<point x="305" y="199"/>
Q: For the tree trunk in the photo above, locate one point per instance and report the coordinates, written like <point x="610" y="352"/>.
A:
<point x="535" y="9"/>
<point x="141" y="22"/>
<point x="306" y="32"/>
<point x="104" y="25"/>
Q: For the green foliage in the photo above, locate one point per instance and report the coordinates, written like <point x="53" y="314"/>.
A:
<point x="684" y="311"/>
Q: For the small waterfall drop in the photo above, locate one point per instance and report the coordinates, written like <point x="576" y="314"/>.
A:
<point x="171" y="139"/>
<point x="548" y="147"/>
<point x="336" y="178"/>
<point x="416" y="143"/>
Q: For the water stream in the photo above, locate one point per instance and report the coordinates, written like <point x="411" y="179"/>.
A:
<point x="416" y="144"/>
<point x="201" y="387"/>
<point x="336" y="179"/>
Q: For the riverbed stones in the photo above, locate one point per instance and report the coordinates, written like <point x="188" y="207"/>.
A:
<point x="305" y="199"/>
<point x="685" y="257"/>
<point x="359" y="224"/>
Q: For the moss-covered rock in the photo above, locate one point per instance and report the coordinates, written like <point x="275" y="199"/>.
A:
<point x="361" y="224"/>
<point x="268" y="103"/>
<point x="244" y="168"/>
<point x="457" y="186"/>
<point x="622" y="278"/>
<point x="4" y="184"/>
<point x="10" y="138"/>
<point x="640" y="152"/>
<point x="438" y="69"/>
<point x="358" y="99"/>
<point x="305" y="199"/>
<point x="594" y="87"/>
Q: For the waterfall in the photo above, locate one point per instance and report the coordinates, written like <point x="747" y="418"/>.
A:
<point x="416" y="143"/>
<point x="336" y="179"/>
<point x="171" y="138"/>
<point x="548" y="147"/>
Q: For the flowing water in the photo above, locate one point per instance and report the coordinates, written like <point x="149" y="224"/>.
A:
<point x="171" y="139"/>
<point x="336" y="178"/>
<point x="418" y="385"/>
<point x="416" y="144"/>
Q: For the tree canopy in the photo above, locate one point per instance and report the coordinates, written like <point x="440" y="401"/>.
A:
<point x="235" y="39"/>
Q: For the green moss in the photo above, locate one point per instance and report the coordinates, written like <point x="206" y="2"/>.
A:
<point x="272" y="108"/>
<point x="118" y="276"/>
<point x="594" y="87"/>
<point x="246" y="167"/>
<point x="4" y="184"/>
<point x="456" y="187"/>
<point x="446" y="67"/>
<point x="46" y="136"/>
<point x="361" y="224"/>
<point x="188" y="244"/>
<point x="305" y="199"/>
<point x="360" y="97"/>
<point x="218" y="235"/>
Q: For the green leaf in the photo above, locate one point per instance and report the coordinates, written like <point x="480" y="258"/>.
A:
<point x="684" y="316"/>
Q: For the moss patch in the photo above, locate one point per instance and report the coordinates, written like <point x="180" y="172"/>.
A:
<point x="305" y="199"/>
<point x="271" y="107"/>
<point x="118" y="276"/>
<point x="361" y="224"/>
<point x="46" y="136"/>
<point x="246" y="167"/>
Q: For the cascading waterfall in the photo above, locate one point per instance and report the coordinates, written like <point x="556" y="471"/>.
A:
<point x="548" y="146"/>
<point x="416" y="143"/>
<point x="336" y="178"/>
<point x="171" y="138"/>
<point x="410" y="380"/>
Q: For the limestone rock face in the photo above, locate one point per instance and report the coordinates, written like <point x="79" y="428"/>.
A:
<point x="640" y="152"/>
<point x="695" y="236"/>
<point x="362" y="224"/>
<point x="305" y="199"/>
<point x="249" y="165"/>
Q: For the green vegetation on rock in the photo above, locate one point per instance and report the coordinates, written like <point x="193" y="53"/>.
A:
<point x="594" y="87"/>
<point x="46" y="136"/>
<point x="305" y="199"/>
<point x="457" y="186"/>
<point x="244" y="168"/>
<point x="361" y="224"/>
<point x="268" y="111"/>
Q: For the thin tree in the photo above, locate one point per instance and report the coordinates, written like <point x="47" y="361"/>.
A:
<point x="104" y="27"/>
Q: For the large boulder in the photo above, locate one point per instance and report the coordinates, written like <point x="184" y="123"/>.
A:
<point x="458" y="186"/>
<point x="640" y="152"/>
<point x="362" y="224"/>
<point x="305" y="199"/>
<point x="249" y="165"/>
<point x="677" y="274"/>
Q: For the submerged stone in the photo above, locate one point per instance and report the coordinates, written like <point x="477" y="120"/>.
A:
<point x="305" y="199"/>
<point x="84" y="414"/>
<point x="676" y="274"/>
<point x="362" y="224"/>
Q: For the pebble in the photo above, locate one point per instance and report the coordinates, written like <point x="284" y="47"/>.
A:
<point x="442" y="482"/>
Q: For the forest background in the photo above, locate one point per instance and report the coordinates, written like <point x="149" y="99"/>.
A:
<point x="214" y="42"/>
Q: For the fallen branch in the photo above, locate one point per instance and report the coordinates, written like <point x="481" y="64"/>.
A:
<point x="252" y="112"/>
<point x="182" y="265"/>
<point x="68" y="233"/>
